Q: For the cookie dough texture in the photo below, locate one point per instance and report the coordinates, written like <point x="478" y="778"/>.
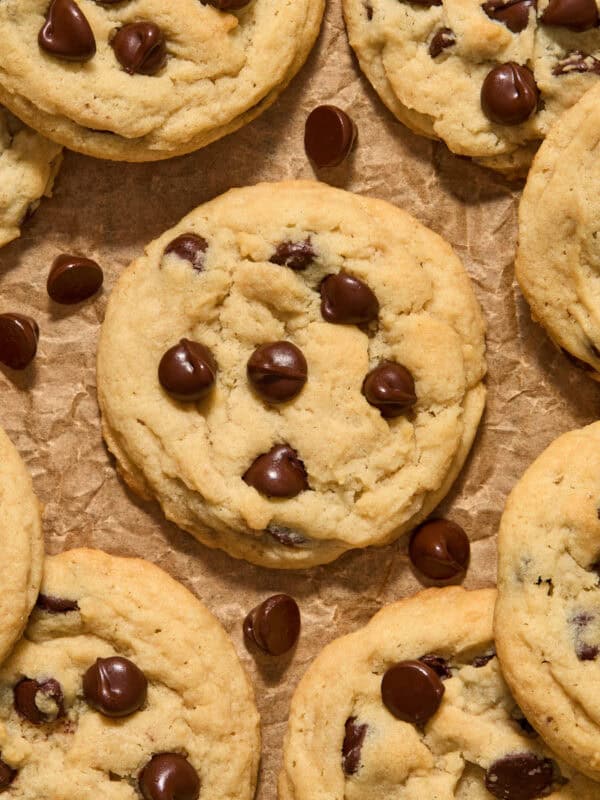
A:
<point x="548" y="615"/>
<point x="558" y="258"/>
<point x="199" y="702"/>
<point x="28" y="166"/>
<point x="440" y="97"/>
<point x="370" y="479"/>
<point x="22" y="545"/>
<point x="476" y="724"/>
<point x="223" y="70"/>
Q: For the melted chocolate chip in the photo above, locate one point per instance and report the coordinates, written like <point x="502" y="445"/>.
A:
<point x="347" y="300"/>
<point x="274" y="625"/>
<point x="140" y="47"/>
<point x="586" y="652"/>
<point x="509" y="94"/>
<point x="27" y="703"/>
<point x="329" y="135"/>
<point x="352" y="745"/>
<point x="189" y="247"/>
<point x="412" y="691"/>
<point x="7" y="775"/>
<point x="73" y="279"/>
<point x="577" y="15"/>
<point x="520" y="776"/>
<point x="578" y="62"/>
<point x="390" y="388"/>
<point x="514" y="13"/>
<point x="18" y="340"/>
<point x="439" y="549"/>
<point x="169" y="776"/>
<point x="66" y="33"/>
<point x="438" y="664"/>
<point x="278" y="473"/>
<point x="115" y="686"/>
<point x="187" y="371"/>
<point x="286" y="536"/>
<point x="277" y="371"/>
<point x="481" y="661"/>
<point x="225" y="5"/>
<point x="442" y="39"/>
<point x="56" y="605"/>
<point x="295" y="255"/>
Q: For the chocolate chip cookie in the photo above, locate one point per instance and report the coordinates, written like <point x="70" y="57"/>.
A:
<point x="558" y="257"/>
<point x="548" y="615"/>
<point x="124" y="686"/>
<point x="293" y="371"/>
<point x="22" y="544"/>
<point x="28" y="166"/>
<point x="141" y="80"/>
<point x="419" y="710"/>
<point x="488" y="78"/>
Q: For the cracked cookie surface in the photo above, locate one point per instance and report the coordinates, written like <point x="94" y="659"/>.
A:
<point x="198" y="708"/>
<point x="548" y="615"/>
<point x="342" y="741"/>
<point x="339" y="474"/>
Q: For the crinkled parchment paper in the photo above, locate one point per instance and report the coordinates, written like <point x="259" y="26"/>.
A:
<point x="109" y="211"/>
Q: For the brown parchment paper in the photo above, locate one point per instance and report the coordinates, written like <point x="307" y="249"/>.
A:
<point x="108" y="211"/>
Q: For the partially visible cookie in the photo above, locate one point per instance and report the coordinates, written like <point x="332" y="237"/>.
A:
<point x="413" y="706"/>
<point x="548" y="614"/>
<point x="21" y="545"/>
<point x="124" y="686"/>
<point x="558" y="257"/>
<point x="28" y="166"/>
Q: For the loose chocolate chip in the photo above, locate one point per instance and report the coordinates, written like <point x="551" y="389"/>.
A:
<point x="140" y="47"/>
<point x="578" y="62"/>
<point x="56" y="605"/>
<point x="412" y="691"/>
<point x="442" y="39"/>
<point x="169" y="776"/>
<point x="286" y="536"/>
<point x="329" y="134"/>
<point x="481" y="661"/>
<point x="353" y="742"/>
<point x="295" y="255"/>
<point x="73" y="279"/>
<point x="347" y="300"/>
<point x="514" y="13"/>
<point x="277" y="371"/>
<point x="66" y="33"/>
<point x="439" y="549"/>
<point x="189" y="247"/>
<point x="187" y="371"/>
<point x="577" y="15"/>
<point x="509" y="94"/>
<point x="25" y="695"/>
<point x="438" y="664"/>
<point x="390" y="388"/>
<point x="18" y="340"/>
<point x="115" y="686"/>
<point x="278" y="473"/>
<point x="274" y="625"/>
<point x="520" y="776"/>
<point x="7" y="775"/>
<point x="225" y="5"/>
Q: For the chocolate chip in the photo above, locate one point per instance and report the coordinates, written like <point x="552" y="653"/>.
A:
<point x="329" y="134"/>
<point x="439" y="549"/>
<point x="274" y="625"/>
<point x="277" y="371"/>
<point x="520" y="776"/>
<point x="578" y="62"/>
<point x="509" y="94"/>
<point x="169" y="776"/>
<point x="352" y="745"/>
<point x="140" y="47"/>
<point x="278" y="473"/>
<point x="412" y="691"/>
<point x="286" y="536"/>
<point x="56" y="605"/>
<point x="73" y="279"/>
<point x="7" y="775"/>
<point x="438" y="664"/>
<point x="187" y="371"/>
<point x="18" y="340"/>
<point x="27" y="703"/>
<point x="426" y="3"/>
<point x="225" y="5"/>
<point x="390" y="388"/>
<point x="442" y="39"/>
<point x="347" y="300"/>
<point x="189" y="247"/>
<point x="115" y="686"/>
<point x="66" y="33"/>
<point x="586" y="652"/>
<point x="295" y="255"/>
<point x="577" y="15"/>
<point x="514" y="13"/>
<point x="481" y="661"/>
